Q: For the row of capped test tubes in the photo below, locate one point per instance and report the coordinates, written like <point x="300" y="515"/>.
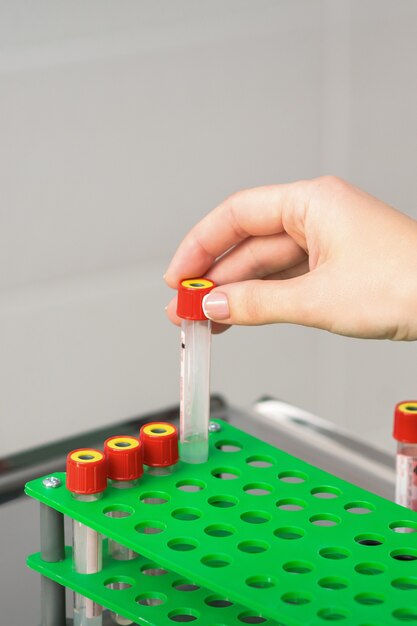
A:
<point x="88" y="471"/>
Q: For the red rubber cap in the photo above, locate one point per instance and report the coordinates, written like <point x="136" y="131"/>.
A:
<point x="160" y="444"/>
<point x="405" y="422"/>
<point x="190" y="298"/>
<point x="124" y="458"/>
<point x="86" y="471"/>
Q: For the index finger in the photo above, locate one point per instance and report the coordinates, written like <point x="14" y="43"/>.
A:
<point x="252" y="212"/>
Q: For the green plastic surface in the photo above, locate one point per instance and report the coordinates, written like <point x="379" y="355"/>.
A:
<point x="151" y="596"/>
<point x="266" y="530"/>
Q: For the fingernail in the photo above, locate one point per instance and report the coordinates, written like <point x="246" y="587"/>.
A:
<point x="216" y="306"/>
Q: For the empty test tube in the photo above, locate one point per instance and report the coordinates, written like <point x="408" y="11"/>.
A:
<point x="124" y="468"/>
<point x="195" y="370"/>
<point x="405" y="432"/>
<point x="87" y="480"/>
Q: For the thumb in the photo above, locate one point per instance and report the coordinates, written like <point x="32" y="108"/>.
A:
<point x="253" y="302"/>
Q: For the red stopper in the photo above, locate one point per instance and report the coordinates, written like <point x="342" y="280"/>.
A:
<point x="124" y="458"/>
<point x="190" y="298"/>
<point x="160" y="444"/>
<point x="86" y="471"/>
<point x="405" y="422"/>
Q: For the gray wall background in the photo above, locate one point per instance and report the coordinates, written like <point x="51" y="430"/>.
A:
<point x="123" y="123"/>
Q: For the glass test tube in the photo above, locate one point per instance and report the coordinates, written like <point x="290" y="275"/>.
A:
<point x="86" y="480"/>
<point x="124" y="468"/>
<point x="88" y="559"/>
<point x="160" y="471"/>
<point x="405" y="432"/>
<point x="406" y="475"/>
<point x="119" y="552"/>
<point x="195" y="390"/>
<point x="195" y="369"/>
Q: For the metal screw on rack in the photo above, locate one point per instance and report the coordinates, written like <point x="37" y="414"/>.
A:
<point x="51" y="482"/>
<point x="214" y="427"/>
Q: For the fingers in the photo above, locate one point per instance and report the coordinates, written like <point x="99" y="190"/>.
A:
<point x="253" y="212"/>
<point x="171" y="311"/>
<point x="257" y="257"/>
<point x="291" y="272"/>
<point x="300" y="300"/>
<point x="296" y="270"/>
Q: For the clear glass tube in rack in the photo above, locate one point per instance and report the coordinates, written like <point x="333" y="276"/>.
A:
<point x="124" y="467"/>
<point x="119" y="552"/>
<point x="87" y="480"/>
<point x="88" y="559"/>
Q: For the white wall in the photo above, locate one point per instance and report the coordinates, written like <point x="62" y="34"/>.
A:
<point x="121" y="124"/>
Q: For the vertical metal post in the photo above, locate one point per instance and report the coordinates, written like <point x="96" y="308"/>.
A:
<point x="52" y="550"/>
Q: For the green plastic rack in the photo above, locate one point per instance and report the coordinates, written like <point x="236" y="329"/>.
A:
<point x="254" y="536"/>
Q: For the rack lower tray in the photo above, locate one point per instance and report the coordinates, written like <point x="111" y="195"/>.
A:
<point x="148" y="594"/>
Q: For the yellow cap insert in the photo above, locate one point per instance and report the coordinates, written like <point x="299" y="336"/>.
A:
<point x="86" y="456"/>
<point x="197" y="283"/>
<point x="159" y="429"/>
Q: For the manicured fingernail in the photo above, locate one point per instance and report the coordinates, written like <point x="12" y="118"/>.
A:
<point x="216" y="306"/>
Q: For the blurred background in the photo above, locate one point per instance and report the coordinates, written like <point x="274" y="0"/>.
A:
<point x="122" y="124"/>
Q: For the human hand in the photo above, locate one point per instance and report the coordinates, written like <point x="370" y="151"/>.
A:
<point x="319" y="253"/>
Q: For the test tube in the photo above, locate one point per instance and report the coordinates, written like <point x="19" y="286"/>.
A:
<point x="405" y="432"/>
<point x="124" y="468"/>
<point x="87" y="480"/>
<point x="195" y="370"/>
